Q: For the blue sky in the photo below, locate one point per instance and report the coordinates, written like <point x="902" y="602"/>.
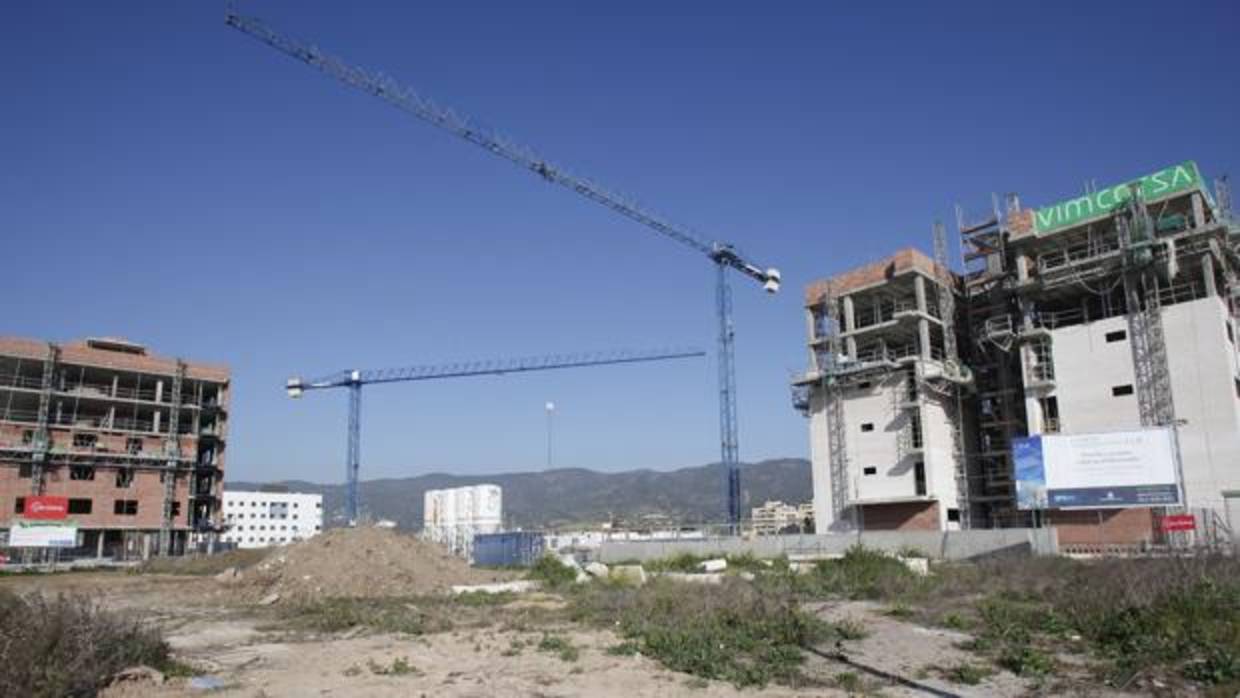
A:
<point x="170" y="180"/>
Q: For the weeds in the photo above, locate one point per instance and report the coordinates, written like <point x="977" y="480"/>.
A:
<point x="411" y="616"/>
<point x="851" y="629"/>
<point x="559" y="646"/>
<point x="732" y="632"/>
<point x="968" y="674"/>
<point x="68" y="646"/>
<point x="553" y="574"/>
<point x="400" y="666"/>
<point x="203" y="565"/>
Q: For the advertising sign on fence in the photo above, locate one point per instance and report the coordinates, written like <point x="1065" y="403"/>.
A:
<point x="25" y="534"/>
<point x="1179" y="522"/>
<point x="46" y="507"/>
<point x="1112" y="469"/>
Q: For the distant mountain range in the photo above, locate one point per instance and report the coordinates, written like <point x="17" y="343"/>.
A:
<point x="569" y="496"/>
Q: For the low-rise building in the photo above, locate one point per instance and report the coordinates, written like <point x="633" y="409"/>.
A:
<point x="774" y="517"/>
<point x="263" y="519"/>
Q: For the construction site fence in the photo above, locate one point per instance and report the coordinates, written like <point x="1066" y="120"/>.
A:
<point x="936" y="545"/>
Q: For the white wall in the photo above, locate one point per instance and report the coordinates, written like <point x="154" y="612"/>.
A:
<point x="1203" y="381"/>
<point x="1204" y="365"/>
<point x="894" y="478"/>
<point x="262" y="519"/>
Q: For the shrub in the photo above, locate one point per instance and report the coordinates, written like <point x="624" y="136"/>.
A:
<point x="68" y="646"/>
<point x="560" y="647"/>
<point x="552" y="573"/>
<point x="968" y="674"/>
<point x="863" y="573"/>
<point x="683" y="562"/>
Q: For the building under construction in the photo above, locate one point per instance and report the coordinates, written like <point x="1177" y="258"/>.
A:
<point x="134" y="441"/>
<point x="1108" y="312"/>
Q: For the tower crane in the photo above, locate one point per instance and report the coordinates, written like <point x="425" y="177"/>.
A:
<point x="354" y="380"/>
<point x="724" y="255"/>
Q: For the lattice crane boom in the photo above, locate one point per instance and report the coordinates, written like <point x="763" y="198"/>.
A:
<point x="354" y="380"/>
<point x="724" y="255"/>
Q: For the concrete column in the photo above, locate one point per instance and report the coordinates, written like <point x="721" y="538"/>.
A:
<point x="159" y="390"/>
<point x="99" y="544"/>
<point x="1022" y="268"/>
<point x="1199" y="211"/>
<point x="850" y="347"/>
<point x="1207" y="273"/>
<point x="116" y="379"/>
<point x="923" y="335"/>
<point x="919" y="289"/>
<point x="155" y="421"/>
<point x="850" y="323"/>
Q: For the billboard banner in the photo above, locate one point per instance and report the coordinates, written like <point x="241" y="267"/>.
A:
<point x="1066" y="214"/>
<point x="1111" y="469"/>
<point x="46" y="508"/>
<point x="24" y="534"/>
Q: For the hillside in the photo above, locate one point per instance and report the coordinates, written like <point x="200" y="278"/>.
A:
<point x="576" y="495"/>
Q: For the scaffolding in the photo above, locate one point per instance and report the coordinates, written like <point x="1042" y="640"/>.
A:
<point x="172" y="449"/>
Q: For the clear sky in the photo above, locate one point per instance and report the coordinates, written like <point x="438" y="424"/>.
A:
<point x="170" y="180"/>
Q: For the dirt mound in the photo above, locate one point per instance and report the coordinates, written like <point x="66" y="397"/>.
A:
<point x="356" y="562"/>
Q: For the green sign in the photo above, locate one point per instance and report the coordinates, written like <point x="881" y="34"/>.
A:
<point x="1066" y="214"/>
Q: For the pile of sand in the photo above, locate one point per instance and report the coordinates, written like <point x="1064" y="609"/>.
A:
<point x="357" y="562"/>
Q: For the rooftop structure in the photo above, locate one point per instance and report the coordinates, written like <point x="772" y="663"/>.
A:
<point x="134" y="440"/>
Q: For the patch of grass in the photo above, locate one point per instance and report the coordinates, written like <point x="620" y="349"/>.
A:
<point x="68" y="646"/>
<point x="203" y="565"/>
<point x="559" y="646"/>
<point x="848" y="681"/>
<point x="482" y="598"/>
<point x="553" y="574"/>
<point x="400" y="666"/>
<point x="411" y="616"/>
<point x="861" y="574"/>
<point x="732" y="632"/>
<point x="968" y="674"/>
<point x="1024" y="660"/>
<point x="956" y="621"/>
<point x="899" y="610"/>
<point x="851" y="629"/>
<point x="684" y="562"/>
<point x="627" y="648"/>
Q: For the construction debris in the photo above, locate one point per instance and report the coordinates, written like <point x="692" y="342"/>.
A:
<point x="356" y="562"/>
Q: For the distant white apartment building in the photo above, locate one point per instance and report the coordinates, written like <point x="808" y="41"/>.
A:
<point x="263" y="519"/>
<point x="452" y="517"/>
<point x="775" y="516"/>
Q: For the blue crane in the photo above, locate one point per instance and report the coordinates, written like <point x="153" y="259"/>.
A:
<point x="724" y="255"/>
<point x="354" y="380"/>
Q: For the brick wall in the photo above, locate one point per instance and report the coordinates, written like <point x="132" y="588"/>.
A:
<point x="902" y="516"/>
<point x="146" y="489"/>
<point x="904" y="261"/>
<point x="1103" y="526"/>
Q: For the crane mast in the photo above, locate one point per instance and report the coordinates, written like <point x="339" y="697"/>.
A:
<point x="354" y="380"/>
<point x="724" y="255"/>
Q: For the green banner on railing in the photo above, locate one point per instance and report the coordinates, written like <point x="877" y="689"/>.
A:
<point x="1066" y="214"/>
